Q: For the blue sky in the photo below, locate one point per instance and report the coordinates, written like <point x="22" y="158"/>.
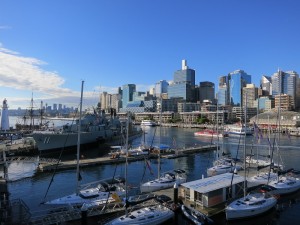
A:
<point x="48" y="47"/>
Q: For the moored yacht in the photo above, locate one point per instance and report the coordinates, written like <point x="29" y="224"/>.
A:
<point x="148" y="123"/>
<point x="249" y="206"/>
<point x="100" y="192"/>
<point x="145" y="216"/>
<point x="167" y="180"/>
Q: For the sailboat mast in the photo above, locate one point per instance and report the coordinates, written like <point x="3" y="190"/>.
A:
<point x="78" y="139"/>
<point x="159" y="144"/>
<point x="126" y="165"/>
<point x="245" y="131"/>
<point x="217" y="128"/>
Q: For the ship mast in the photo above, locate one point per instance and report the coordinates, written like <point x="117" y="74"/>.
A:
<point x="78" y="140"/>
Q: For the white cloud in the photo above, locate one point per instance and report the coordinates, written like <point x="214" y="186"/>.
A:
<point x="19" y="74"/>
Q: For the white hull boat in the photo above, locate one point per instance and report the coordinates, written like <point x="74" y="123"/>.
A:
<point x="106" y="191"/>
<point x="261" y="178"/>
<point x="250" y="206"/>
<point x="145" y="216"/>
<point x="285" y="185"/>
<point x="167" y="180"/>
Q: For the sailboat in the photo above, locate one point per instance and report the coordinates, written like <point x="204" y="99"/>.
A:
<point x="144" y="216"/>
<point x="222" y="165"/>
<point x="262" y="178"/>
<point x="252" y="204"/>
<point x="165" y="180"/>
<point x="284" y="184"/>
<point x="101" y="191"/>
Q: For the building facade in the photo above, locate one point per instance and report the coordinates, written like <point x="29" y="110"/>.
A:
<point x="206" y="91"/>
<point x="183" y="84"/>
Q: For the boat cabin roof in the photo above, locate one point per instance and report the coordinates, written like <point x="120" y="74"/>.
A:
<point x="213" y="183"/>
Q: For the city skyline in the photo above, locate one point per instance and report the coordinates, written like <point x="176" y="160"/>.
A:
<point x="47" y="48"/>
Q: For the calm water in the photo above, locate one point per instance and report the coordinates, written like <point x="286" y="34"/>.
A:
<point x="33" y="190"/>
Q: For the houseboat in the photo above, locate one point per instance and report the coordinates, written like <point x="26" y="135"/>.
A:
<point x="212" y="191"/>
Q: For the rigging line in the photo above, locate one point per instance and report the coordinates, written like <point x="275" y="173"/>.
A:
<point x="230" y="188"/>
<point x="109" y="191"/>
<point x="56" y="165"/>
<point x="272" y="152"/>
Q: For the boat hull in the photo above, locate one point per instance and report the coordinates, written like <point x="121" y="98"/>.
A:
<point x="156" y="185"/>
<point x="145" y="216"/>
<point x="286" y="186"/>
<point x="239" y="210"/>
<point x="47" y="142"/>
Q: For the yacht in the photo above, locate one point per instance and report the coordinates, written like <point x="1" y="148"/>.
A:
<point x="249" y="206"/>
<point x="148" y="123"/>
<point x="238" y="130"/>
<point x="157" y="214"/>
<point x="210" y="133"/>
<point x="167" y="180"/>
<point x="100" y="192"/>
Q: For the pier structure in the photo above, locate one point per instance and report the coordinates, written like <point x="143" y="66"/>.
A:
<point x="46" y="166"/>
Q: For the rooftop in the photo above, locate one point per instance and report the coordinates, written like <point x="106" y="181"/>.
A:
<point x="213" y="183"/>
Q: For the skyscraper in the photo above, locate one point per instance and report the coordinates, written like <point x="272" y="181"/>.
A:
<point x="183" y="84"/>
<point x="223" y="92"/>
<point x="127" y="94"/>
<point x="161" y="87"/>
<point x="266" y="85"/>
<point x="285" y="83"/>
<point x="206" y="91"/>
<point x="237" y="80"/>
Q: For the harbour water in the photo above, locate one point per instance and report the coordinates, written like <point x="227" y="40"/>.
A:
<point x="33" y="190"/>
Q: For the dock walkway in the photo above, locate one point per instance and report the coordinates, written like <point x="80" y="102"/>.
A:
<point x="71" y="164"/>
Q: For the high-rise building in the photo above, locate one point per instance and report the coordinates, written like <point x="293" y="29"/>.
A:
<point x="252" y="94"/>
<point x="116" y="101"/>
<point x="237" y="80"/>
<point x="223" y="92"/>
<point x="105" y="100"/>
<point x="161" y="87"/>
<point x="206" y="91"/>
<point x="285" y="83"/>
<point x="127" y="94"/>
<point x="266" y="85"/>
<point x="183" y="83"/>
<point x="231" y="88"/>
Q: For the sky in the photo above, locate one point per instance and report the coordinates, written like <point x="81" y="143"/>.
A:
<point x="47" y="48"/>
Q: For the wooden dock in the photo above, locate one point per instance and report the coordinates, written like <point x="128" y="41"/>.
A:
<point x="71" y="164"/>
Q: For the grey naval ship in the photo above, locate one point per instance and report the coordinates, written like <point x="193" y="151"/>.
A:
<point x="95" y="127"/>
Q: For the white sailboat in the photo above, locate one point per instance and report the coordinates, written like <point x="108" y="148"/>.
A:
<point x="284" y="184"/>
<point x="252" y="204"/>
<point x="222" y="165"/>
<point x="165" y="180"/>
<point x="100" y="191"/>
<point x="144" y="216"/>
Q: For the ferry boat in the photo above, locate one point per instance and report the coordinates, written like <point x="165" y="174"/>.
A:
<point x="148" y="123"/>
<point x="238" y="130"/>
<point x="210" y="133"/>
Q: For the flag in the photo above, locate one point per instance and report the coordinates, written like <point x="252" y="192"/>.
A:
<point x="149" y="167"/>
